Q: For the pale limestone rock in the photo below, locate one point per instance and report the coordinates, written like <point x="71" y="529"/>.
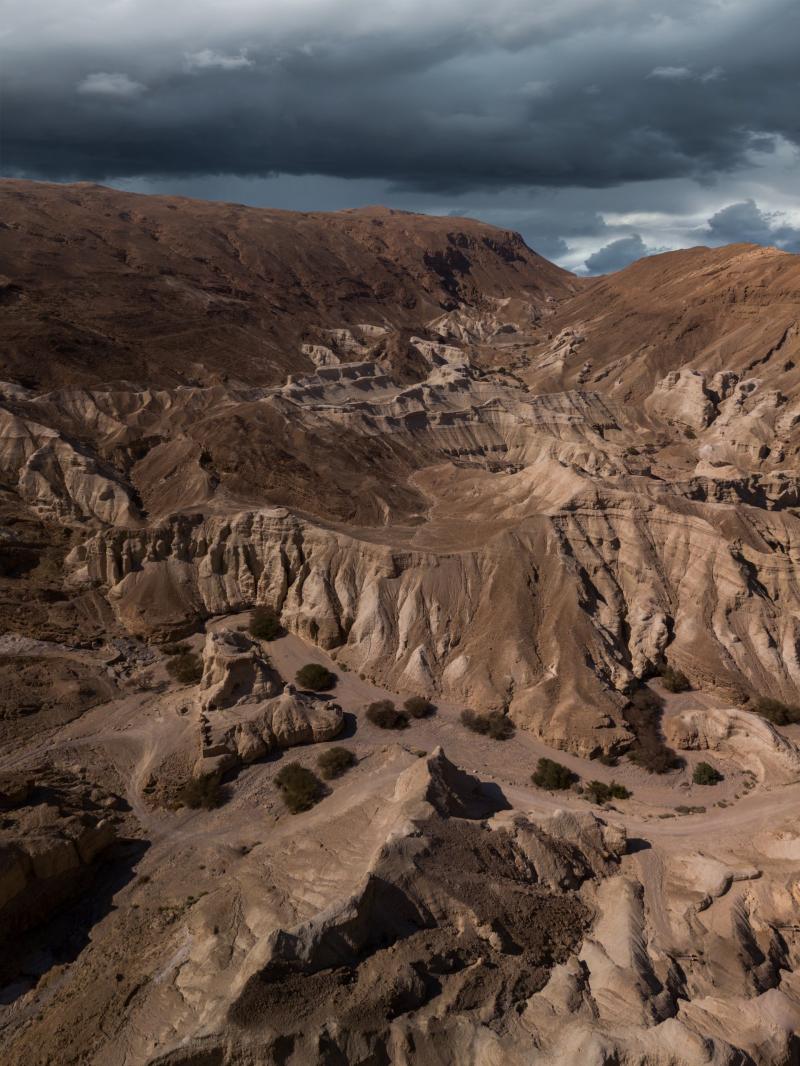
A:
<point x="57" y="479"/>
<point x="248" y="731"/>
<point x="751" y="740"/>
<point x="234" y="671"/>
<point x="683" y="397"/>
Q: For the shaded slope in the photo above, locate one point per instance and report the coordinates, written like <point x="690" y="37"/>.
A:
<point x="101" y="285"/>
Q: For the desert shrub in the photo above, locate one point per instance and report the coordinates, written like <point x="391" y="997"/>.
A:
<point x="675" y="680"/>
<point x="204" y="792"/>
<point x="600" y="792"/>
<point x="553" y="775"/>
<point x="643" y="715"/>
<point x="186" y="667"/>
<point x="315" y="676"/>
<point x="776" y="712"/>
<point x="705" y="774"/>
<point x="334" y="762"/>
<point x="265" y="624"/>
<point x="300" y="787"/>
<point x="606" y="758"/>
<point x="419" y="707"/>
<point x="494" y="724"/>
<point x="656" y="758"/>
<point x="173" y="648"/>
<point x="384" y="714"/>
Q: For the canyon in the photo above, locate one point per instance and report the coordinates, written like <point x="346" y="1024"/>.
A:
<point x="449" y="469"/>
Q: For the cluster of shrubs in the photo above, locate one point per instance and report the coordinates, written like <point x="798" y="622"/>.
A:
<point x="605" y="758"/>
<point x="385" y="715"/>
<point x="185" y="666"/>
<point x="301" y="788"/>
<point x="265" y="624"/>
<point x="334" y="762"/>
<point x="419" y="707"/>
<point x="202" y="792"/>
<point x="601" y="792"/>
<point x="316" y="677"/>
<point x="643" y="715"/>
<point x="494" y="724"/>
<point x="776" y="712"/>
<point x="675" y="680"/>
<point x="553" y="776"/>
<point x="706" y="774"/>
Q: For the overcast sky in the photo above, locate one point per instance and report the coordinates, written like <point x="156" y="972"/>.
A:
<point x="601" y="129"/>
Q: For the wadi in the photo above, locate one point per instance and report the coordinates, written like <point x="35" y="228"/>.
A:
<point x="400" y="643"/>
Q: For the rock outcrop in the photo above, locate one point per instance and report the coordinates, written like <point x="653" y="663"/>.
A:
<point x="753" y="742"/>
<point x="234" y="671"/>
<point x="249" y="731"/>
<point x="54" y="827"/>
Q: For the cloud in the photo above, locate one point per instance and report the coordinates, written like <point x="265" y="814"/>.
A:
<point x="617" y="254"/>
<point x="686" y="74"/>
<point x="448" y="99"/>
<point x="105" y="84"/>
<point x="208" y="59"/>
<point x="671" y="73"/>
<point x="746" y="222"/>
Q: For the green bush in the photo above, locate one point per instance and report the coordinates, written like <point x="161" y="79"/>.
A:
<point x="494" y="724"/>
<point x="656" y="758"/>
<point x="643" y="715"/>
<point x="265" y="624"/>
<point x="606" y="758"/>
<point x="300" y="787"/>
<point x="776" y="712"/>
<point x="553" y="775"/>
<point x="599" y="792"/>
<point x="205" y="792"/>
<point x="186" y="667"/>
<point x="705" y="774"/>
<point x="316" y="677"/>
<point x="334" y="762"/>
<point x="385" y="715"/>
<point x="419" y="707"/>
<point x="675" y="680"/>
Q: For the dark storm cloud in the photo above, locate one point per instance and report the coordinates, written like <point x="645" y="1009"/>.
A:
<point x="745" y="221"/>
<point x="442" y="98"/>
<point x="617" y="254"/>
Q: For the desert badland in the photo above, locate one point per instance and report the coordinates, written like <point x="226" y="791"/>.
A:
<point x="410" y="450"/>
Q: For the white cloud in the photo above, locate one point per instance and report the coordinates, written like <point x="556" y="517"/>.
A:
<point x="208" y="59"/>
<point x="671" y="73"/>
<point x="686" y="74"/>
<point x="106" y="84"/>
